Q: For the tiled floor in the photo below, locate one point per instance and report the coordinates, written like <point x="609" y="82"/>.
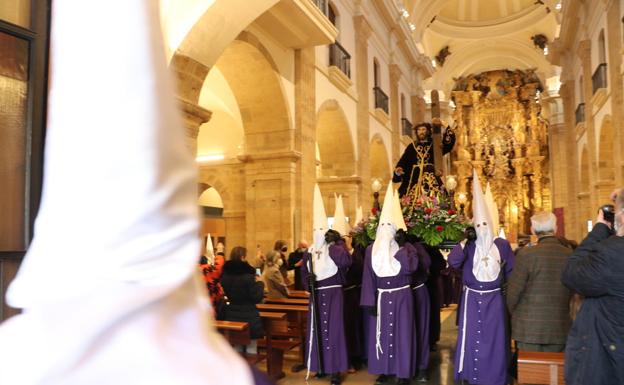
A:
<point x="440" y="367"/>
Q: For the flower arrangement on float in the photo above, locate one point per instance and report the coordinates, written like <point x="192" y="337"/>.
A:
<point x="431" y="218"/>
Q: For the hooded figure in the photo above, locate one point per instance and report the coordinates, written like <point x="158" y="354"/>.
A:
<point x="211" y="267"/>
<point x="129" y="307"/>
<point x="493" y="208"/>
<point x="326" y="264"/>
<point x="481" y="354"/>
<point x="358" y="215"/>
<point x="388" y="268"/>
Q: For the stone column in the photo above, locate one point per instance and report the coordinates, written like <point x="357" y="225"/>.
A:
<point x="305" y="140"/>
<point x="570" y="210"/>
<point x="395" y="117"/>
<point x="362" y="33"/>
<point x="584" y="53"/>
<point x="614" y="37"/>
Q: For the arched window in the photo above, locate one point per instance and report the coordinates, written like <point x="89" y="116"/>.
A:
<point x="332" y="15"/>
<point x="376" y="72"/>
<point x="402" y="105"/>
<point x="602" y="49"/>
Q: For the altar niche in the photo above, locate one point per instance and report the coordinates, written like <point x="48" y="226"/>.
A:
<point x="502" y="134"/>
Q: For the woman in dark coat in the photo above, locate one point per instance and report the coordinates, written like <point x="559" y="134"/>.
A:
<point x="243" y="290"/>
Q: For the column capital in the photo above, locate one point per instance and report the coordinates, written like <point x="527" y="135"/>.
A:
<point x="584" y="49"/>
<point x="395" y="73"/>
<point x="363" y="28"/>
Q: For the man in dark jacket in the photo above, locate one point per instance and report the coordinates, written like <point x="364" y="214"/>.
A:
<point x="595" y="346"/>
<point x="295" y="260"/>
<point x="536" y="299"/>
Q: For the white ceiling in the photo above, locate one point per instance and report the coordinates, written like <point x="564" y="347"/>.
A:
<point x="483" y="35"/>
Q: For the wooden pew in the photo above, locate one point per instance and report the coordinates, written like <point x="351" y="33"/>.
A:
<point x="237" y="333"/>
<point x="287" y="301"/>
<point x="274" y="323"/>
<point x="540" y="368"/>
<point x="297" y="316"/>
<point x="298" y="294"/>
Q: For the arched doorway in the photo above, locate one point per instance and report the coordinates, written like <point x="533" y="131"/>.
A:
<point x="211" y="209"/>
<point x="379" y="162"/>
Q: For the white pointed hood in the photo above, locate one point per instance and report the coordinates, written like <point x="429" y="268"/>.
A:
<point x="340" y="220"/>
<point x="399" y="220"/>
<point x="358" y="215"/>
<point x="489" y="200"/>
<point x="385" y="247"/>
<point x="322" y="264"/>
<point x="486" y="262"/>
<point x="209" y="250"/>
<point x="109" y="287"/>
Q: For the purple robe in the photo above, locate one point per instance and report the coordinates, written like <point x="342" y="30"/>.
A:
<point x="482" y="321"/>
<point x="396" y="315"/>
<point x="330" y="307"/>
<point x="422" y="306"/>
<point x="352" y="312"/>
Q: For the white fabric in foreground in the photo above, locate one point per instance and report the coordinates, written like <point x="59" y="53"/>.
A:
<point x="385" y="247"/>
<point x="109" y="286"/>
<point x="491" y="203"/>
<point x="323" y="266"/>
<point x="487" y="261"/>
<point x="340" y="219"/>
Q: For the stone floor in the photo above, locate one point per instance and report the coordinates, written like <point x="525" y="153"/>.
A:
<point x="440" y="367"/>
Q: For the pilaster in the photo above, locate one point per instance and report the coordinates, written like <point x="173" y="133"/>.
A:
<point x="395" y="117"/>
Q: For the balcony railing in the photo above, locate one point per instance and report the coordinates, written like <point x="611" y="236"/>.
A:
<point x="406" y="127"/>
<point x="599" y="79"/>
<point x="339" y="57"/>
<point x="381" y="99"/>
<point x="580" y="113"/>
<point x="323" y="5"/>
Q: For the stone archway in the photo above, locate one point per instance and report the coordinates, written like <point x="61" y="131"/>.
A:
<point x="379" y="164"/>
<point x="258" y="173"/>
<point x="336" y="154"/>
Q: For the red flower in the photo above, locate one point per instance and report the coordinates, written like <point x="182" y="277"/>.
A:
<point x="374" y="210"/>
<point x="439" y="229"/>
<point x="451" y="212"/>
<point x="428" y="210"/>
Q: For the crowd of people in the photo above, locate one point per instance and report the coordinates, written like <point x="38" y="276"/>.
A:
<point x="379" y="306"/>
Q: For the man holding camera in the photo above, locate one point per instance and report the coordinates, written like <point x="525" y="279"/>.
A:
<point x="595" y="346"/>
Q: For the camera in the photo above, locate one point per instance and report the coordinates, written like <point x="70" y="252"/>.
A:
<point x="470" y="233"/>
<point x="608" y="212"/>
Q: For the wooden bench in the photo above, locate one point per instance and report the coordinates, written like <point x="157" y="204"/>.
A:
<point x="273" y="322"/>
<point x="298" y="294"/>
<point x="237" y="333"/>
<point x="288" y="301"/>
<point x="540" y="368"/>
<point x="296" y="327"/>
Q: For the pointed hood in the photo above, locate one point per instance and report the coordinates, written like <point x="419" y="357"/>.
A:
<point x="399" y="220"/>
<point x="340" y="220"/>
<point x="358" y="215"/>
<point x="114" y="254"/>
<point x="486" y="263"/>
<point x="489" y="200"/>
<point x="322" y="264"/>
<point x="385" y="247"/>
<point x="209" y="250"/>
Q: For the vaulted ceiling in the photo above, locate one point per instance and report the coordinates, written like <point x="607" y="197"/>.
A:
<point x="484" y="35"/>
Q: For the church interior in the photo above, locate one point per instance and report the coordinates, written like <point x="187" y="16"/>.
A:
<point x="279" y="96"/>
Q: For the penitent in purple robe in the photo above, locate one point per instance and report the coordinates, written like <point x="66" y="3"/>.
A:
<point x="352" y="311"/>
<point x="481" y="336"/>
<point x="398" y="345"/>
<point x="330" y="308"/>
<point x="422" y="306"/>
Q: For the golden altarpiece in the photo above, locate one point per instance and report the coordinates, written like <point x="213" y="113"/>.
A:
<point x="501" y="133"/>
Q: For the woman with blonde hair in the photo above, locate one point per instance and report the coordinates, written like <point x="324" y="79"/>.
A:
<point x="272" y="276"/>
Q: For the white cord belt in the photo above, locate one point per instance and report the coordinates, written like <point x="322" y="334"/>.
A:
<point x="419" y="286"/>
<point x="463" y="348"/>
<point x="311" y="339"/>
<point x="378" y="325"/>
